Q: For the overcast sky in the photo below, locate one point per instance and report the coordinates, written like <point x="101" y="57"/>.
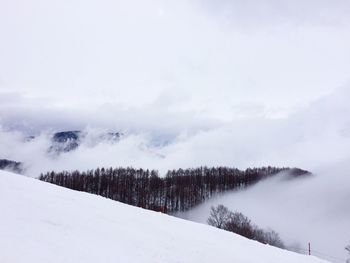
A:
<point x="130" y="64"/>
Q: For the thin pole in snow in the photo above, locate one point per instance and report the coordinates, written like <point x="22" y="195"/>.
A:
<point x="309" y="249"/>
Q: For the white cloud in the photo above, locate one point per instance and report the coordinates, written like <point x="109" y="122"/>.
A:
<point x="83" y="55"/>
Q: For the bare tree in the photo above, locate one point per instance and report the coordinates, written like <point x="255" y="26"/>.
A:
<point x="238" y="223"/>
<point x="179" y="190"/>
<point x="272" y="238"/>
<point x="218" y="216"/>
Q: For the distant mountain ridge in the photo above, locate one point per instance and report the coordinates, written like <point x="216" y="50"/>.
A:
<point x="66" y="141"/>
<point x="62" y="142"/>
<point x="10" y="165"/>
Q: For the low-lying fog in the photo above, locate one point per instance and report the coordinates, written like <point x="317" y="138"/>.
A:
<point x="312" y="210"/>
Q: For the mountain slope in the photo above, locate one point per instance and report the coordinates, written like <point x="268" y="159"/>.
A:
<point x="10" y="165"/>
<point x="67" y="141"/>
<point x="41" y="222"/>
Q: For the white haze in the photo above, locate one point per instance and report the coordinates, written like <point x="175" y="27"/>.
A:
<point x="179" y="61"/>
<point x="316" y="138"/>
<point x="190" y="83"/>
<point x="314" y="210"/>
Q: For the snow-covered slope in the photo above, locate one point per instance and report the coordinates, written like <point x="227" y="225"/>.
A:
<point x="40" y="222"/>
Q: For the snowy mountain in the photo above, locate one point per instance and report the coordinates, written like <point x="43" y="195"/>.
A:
<point x="67" y="141"/>
<point x="41" y="222"/>
<point x="11" y="165"/>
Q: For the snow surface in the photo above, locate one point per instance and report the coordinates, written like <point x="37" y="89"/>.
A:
<point x="40" y="222"/>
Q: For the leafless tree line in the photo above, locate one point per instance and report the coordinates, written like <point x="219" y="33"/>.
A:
<point x="179" y="190"/>
<point x="221" y="217"/>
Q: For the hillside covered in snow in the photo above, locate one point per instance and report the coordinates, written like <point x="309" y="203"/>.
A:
<point x="41" y="222"/>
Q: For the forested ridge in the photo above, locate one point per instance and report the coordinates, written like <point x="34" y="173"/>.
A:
<point x="178" y="190"/>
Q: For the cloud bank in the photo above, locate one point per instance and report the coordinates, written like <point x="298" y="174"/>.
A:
<point x="111" y="61"/>
<point x="316" y="138"/>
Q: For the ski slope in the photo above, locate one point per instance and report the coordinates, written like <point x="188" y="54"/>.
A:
<point x="41" y="223"/>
